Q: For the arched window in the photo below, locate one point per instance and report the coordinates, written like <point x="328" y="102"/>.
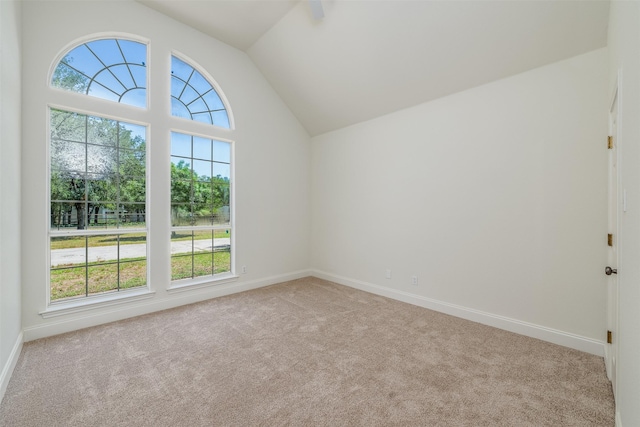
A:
<point x="200" y="179"/>
<point x="99" y="173"/>
<point x="113" y="69"/>
<point x="193" y="96"/>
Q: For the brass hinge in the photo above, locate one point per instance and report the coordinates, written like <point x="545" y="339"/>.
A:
<point x="610" y="239"/>
<point x="609" y="337"/>
<point x="610" y="142"/>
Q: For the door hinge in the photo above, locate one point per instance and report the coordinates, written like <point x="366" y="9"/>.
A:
<point x="609" y="337"/>
<point x="609" y="142"/>
<point x="610" y="239"/>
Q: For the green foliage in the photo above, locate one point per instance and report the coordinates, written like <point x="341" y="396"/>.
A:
<point x="65" y="77"/>
<point x="103" y="277"/>
<point x="200" y="264"/>
<point x="195" y="197"/>
<point x="99" y="165"/>
<point x="96" y="164"/>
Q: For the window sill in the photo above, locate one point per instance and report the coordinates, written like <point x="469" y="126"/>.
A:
<point x="93" y="302"/>
<point x="204" y="282"/>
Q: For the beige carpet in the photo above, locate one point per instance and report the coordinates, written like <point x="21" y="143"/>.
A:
<point x="303" y="353"/>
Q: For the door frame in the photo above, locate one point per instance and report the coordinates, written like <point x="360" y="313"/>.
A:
<point x="613" y="315"/>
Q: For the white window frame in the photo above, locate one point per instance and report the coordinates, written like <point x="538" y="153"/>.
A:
<point x="180" y="283"/>
<point x="195" y="128"/>
<point x="110" y="295"/>
<point x="85" y="104"/>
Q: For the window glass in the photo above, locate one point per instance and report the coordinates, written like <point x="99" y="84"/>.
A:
<point x="98" y="205"/>
<point x="200" y="206"/>
<point x="193" y="97"/>
<point x="113" y="69"/>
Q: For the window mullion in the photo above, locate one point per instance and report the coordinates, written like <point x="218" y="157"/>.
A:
<point x="86" y="265"/>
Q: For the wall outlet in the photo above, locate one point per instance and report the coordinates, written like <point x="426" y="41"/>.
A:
<point x="388" y="274"/>
<point x="414" y="280"/>
<point x="244" y="269"/>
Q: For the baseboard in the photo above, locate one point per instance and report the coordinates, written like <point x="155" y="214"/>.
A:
<point x="554" y="336"/>
<point x="607" y="361"/>
<point x="7" y="369"/>
<point x="88" y="319"/>
<point x="85" y="319"/>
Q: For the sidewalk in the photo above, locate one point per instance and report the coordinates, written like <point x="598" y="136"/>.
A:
<point x="108" y="253"/>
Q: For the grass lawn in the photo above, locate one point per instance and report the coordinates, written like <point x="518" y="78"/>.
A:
<point x="103" y="277"/>
<point x="204" y="264"/>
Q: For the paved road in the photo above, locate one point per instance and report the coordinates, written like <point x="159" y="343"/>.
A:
<point x="107" y="253"/>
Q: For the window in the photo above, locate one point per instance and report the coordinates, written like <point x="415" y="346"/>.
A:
<point x="111" y="69"/>
<point x="99" y="174"/>
<point x="193" y="97"/>
<point x="200" y="206"/>
<point x="200" y="181"/>
<point x="98" y="205"/>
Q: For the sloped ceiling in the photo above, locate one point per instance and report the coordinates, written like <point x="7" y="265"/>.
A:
<point x="239" y="23"/>
<point x="368" y="58"/>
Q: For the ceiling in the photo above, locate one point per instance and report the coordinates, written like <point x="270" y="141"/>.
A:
<point x="239" y="23"/>
<point x="368" y="58"/>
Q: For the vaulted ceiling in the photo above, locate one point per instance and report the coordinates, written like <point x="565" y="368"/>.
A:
<point x="368" y="58"/>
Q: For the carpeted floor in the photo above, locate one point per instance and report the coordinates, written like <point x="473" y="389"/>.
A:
<point x="303" y="353"/>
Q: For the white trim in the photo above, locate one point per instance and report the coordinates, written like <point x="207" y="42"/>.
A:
<point x="201" y="227"/>
<point x="554" y="336"/>
<point x="96" y="301"/>
<point x="116" y="312"/>
<point x="232" y="206"/>
<point x="612" y="306"/>
<point x="7" y="369"/>
<point x="95" y="232"/>
<point x="607" y="360"/>
<point x="57" y="233"/>
<point x="614" y="91"/>
<point x="618" y="419"/>
<point x="200" y="282"/>
<point x="229" y="285"/>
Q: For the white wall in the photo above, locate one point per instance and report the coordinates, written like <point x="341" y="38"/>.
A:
<point x="272" y="156"/>
<point x="494" y="197"/>
<point x="10" y="322"/>
<point x="624" y="48"/>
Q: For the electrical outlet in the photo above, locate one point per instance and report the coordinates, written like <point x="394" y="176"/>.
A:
<point x="244" y="269"/>
<point x="388" y="274"/>
<point x="414" y="280"/>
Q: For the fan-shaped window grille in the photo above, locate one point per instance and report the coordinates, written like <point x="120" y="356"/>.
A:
<point x="193" y="97"/>
<point x="113" y="69"/>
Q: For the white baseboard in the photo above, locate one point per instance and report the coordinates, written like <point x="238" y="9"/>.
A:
<point x="88" y="319"/>
<point x="554" y="336"/>
<point x="74" y="321"/>
<point x="7" y="369"/>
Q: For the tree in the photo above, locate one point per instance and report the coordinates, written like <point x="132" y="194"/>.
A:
<point x="67" y="163"/>
<point x="181" y="183"/>
<point x="66" y="77"/>
<point x="132" y="171"/>
<point x="196" y="197"/>
<point x="95" y="162"/>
